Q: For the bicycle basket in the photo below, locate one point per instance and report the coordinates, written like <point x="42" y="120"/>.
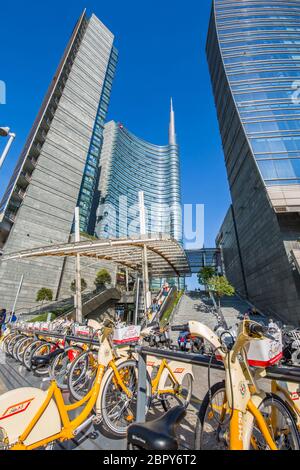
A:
<point x="127" y="334"/>
<point x="265" y="352"/>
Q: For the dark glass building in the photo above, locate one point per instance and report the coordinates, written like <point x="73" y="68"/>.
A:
<point x="253" y="51"/>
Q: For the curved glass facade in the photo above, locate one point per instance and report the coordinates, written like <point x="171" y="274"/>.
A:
<point x="129" y="165"/>
<point x="260" y="47"/>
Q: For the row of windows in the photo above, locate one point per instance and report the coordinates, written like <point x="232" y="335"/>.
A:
<point x="280" y="169"/>
<point x="264" y="95"/>
<point x="275" y="144"/>
<point x="286" y="107"/>
<point x="273" y="126"/>
<point x="264" y="76"/>
<point x="223" y="6"/>
<point x="243" y="18"/>
<point x="265" y="87"/>
<point x="261" y="57"/>
<point x="257" y="30"/>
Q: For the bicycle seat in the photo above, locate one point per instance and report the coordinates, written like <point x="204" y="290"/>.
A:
<point x="158" y="434"/>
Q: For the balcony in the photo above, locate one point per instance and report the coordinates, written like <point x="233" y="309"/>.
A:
<point x="41" y="136"/>
<point x="35" y="149"/>
<point x="19" y="193"/>
<point x="46" y="123"/>
<point x="11" y="216"/>
<point x="24" y="179"/>
<point x="31" y="162"/>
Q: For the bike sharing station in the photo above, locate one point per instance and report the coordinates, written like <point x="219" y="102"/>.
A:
<point x="32" y="418"/>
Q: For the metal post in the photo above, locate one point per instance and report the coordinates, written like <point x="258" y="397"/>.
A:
<point x="142" y="388"/>
<point x="137" y="301"/>
<point x="147" y="293"/>
<point x="127" y="285"/>
<point x="6" y="150"/>
<point x="78" y="273"/>
<point x="18" y="293"/>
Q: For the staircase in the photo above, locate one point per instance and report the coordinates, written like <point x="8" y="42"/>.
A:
<point x="199" y="307"/>
<point x="98" y="304"/>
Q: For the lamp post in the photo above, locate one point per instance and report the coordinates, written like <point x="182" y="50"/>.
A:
<point x="5" y="132"/>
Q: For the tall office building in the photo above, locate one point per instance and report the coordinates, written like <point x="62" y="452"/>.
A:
<point x="253" y="51"/>
<point x="129" y="165"/>
<point x="59" y="165"/>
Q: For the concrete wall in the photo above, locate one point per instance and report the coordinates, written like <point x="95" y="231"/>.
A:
<point x="47" y="211"/>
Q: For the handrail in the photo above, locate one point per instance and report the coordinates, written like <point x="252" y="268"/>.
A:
<point x="283" y="373"/>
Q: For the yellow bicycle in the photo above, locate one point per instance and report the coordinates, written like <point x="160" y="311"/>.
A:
<point x="236" y="414"/>
<point x="31" y="418"/>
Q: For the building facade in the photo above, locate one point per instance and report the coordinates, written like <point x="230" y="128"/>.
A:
<point x="253" y="51"/>
<point x="59" y="166"/>
<point x="130" y="165"/>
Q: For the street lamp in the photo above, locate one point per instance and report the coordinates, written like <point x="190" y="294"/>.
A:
<point x="5" y="132"/>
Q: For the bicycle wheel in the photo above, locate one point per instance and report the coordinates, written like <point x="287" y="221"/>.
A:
<point x="117" y="409"/>
<point x="281" y="424"/>
<point x="21" y="348"/>
<point x="214" y="417"/>
<point x="5" y="341"/>
<point x="28" y="352"/>
<point x="16" y="345"/>
<point x="12" y="342"/>
<point x="181" y="396"/>
<point x="61" y="364"/>
<point x="82" y="374"/>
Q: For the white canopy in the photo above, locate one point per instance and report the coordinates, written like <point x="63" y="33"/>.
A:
<point x="166" y="257"/>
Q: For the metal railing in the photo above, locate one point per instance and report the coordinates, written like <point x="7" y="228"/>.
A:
<point x="283" y="373"/>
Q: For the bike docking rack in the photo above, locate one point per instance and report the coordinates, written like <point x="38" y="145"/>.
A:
<point x="279" y="373"/>
<point x="282" y="373"/>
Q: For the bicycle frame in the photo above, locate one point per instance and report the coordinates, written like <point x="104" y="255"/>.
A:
<point x="155" y="382"/>
<point x="242" y="394"/>
<point x="69" y="427"/>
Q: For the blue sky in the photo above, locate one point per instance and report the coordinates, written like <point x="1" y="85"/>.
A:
<point x="161" y="54"/>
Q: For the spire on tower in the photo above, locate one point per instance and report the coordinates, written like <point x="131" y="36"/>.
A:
<point x="172" y="133"/>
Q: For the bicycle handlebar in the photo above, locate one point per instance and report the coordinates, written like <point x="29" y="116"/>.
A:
<point x="180" y="327"/>
<point x="257" y="329"/>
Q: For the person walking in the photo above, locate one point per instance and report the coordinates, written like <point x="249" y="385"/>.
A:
<point x="2" y="320"/>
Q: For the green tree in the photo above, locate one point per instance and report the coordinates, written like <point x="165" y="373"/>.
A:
<point x="83" y="285"/>
<point x="44" y="295"/>
<point x="220" y="286"/>
<point x="102" y="278"/>
<point x="205" y="274"/>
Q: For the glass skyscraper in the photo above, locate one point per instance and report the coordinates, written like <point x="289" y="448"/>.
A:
<point x="253" y="51"/>
<point x="129" y="164"/>
<point x="59" y="165"/>
<point x="260" y="47"/>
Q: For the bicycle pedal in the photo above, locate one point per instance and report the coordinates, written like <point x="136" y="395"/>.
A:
<point x="97" y="419"/>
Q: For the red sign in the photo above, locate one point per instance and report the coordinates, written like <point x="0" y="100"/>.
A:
<point x="16" y="409"/>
